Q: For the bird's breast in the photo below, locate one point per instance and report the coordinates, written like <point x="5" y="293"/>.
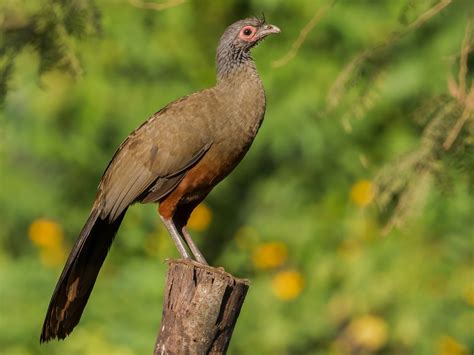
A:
<point x="239" y="126"/>
<point x="231" y="119"/>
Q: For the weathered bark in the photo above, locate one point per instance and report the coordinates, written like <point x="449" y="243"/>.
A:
<point x="200" y="308"/>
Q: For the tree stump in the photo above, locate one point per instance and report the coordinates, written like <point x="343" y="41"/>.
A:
<point x="200" y="308"/>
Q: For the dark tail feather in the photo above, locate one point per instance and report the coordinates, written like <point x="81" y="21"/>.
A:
<point x="78" y="277"/>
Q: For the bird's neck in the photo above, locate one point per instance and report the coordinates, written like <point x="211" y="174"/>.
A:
<point x="232" y="63"/>
<point x="238" y="79"/>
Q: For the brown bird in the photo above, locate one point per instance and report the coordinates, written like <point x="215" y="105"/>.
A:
<point x="175" y="158"/>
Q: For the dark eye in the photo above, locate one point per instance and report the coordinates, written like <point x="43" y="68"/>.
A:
<point x="247" y="32"/>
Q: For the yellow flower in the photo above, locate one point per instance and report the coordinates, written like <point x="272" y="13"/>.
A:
<point x="269" y="255"/>
<point x="287" y="285"/>
<point x="200" y="218"/>
<point x="449" y="346"/>
<point x="362" y="193"/>
<point x="369" y="332"/>
<point x="45" y="233"/>
<point x="53" y="256"/>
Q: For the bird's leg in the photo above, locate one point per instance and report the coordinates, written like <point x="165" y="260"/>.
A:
<point x="194" y="249"/>
<point x="169" y="224"/>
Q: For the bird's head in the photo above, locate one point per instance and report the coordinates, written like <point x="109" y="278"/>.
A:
<point x="245" y="34"/>
<point x="239" y="38"/>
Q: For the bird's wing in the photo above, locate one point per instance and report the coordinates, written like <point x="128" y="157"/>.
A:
<point x="151" y="161"/>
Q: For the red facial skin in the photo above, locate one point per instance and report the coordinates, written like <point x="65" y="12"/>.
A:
<point x="248" y="33"/>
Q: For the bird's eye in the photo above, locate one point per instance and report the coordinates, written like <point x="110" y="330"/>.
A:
<point x="247" y="32"/>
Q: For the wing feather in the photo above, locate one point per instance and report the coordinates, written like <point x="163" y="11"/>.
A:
<point x="150" y="163"/>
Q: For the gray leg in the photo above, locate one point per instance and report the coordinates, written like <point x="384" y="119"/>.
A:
<point x="194" y="249"/>
<point x="176" y="237"/>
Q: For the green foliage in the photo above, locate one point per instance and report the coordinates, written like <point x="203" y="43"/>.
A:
<point x="357" y="116"/>
<point x="49" y="29"/>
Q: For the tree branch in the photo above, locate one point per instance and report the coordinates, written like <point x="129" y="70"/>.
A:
<point x="459" y="91"/>
<point x="337" y="90"/>
<point x="302" y="36"/>
<point x="200" y="309"/>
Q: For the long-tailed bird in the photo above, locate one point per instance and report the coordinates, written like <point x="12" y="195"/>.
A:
<point x="175" y="159"/>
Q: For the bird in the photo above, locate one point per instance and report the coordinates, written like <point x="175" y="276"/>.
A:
<point x="174" y="158"/>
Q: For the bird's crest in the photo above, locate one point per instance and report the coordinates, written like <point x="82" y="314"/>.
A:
<point x="260" y="19"/>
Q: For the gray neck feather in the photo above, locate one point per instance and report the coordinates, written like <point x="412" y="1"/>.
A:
<point x="230" y="59"/>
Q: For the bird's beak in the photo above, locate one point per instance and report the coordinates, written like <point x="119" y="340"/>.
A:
<point x="267" y="30"/>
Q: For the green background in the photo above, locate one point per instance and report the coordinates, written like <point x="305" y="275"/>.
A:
<point x="75" y="90"/>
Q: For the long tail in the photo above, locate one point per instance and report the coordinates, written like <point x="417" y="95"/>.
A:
<point x="78" y="277"/>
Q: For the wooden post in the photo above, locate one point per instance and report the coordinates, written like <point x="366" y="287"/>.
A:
<point x="200" y="308"/>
